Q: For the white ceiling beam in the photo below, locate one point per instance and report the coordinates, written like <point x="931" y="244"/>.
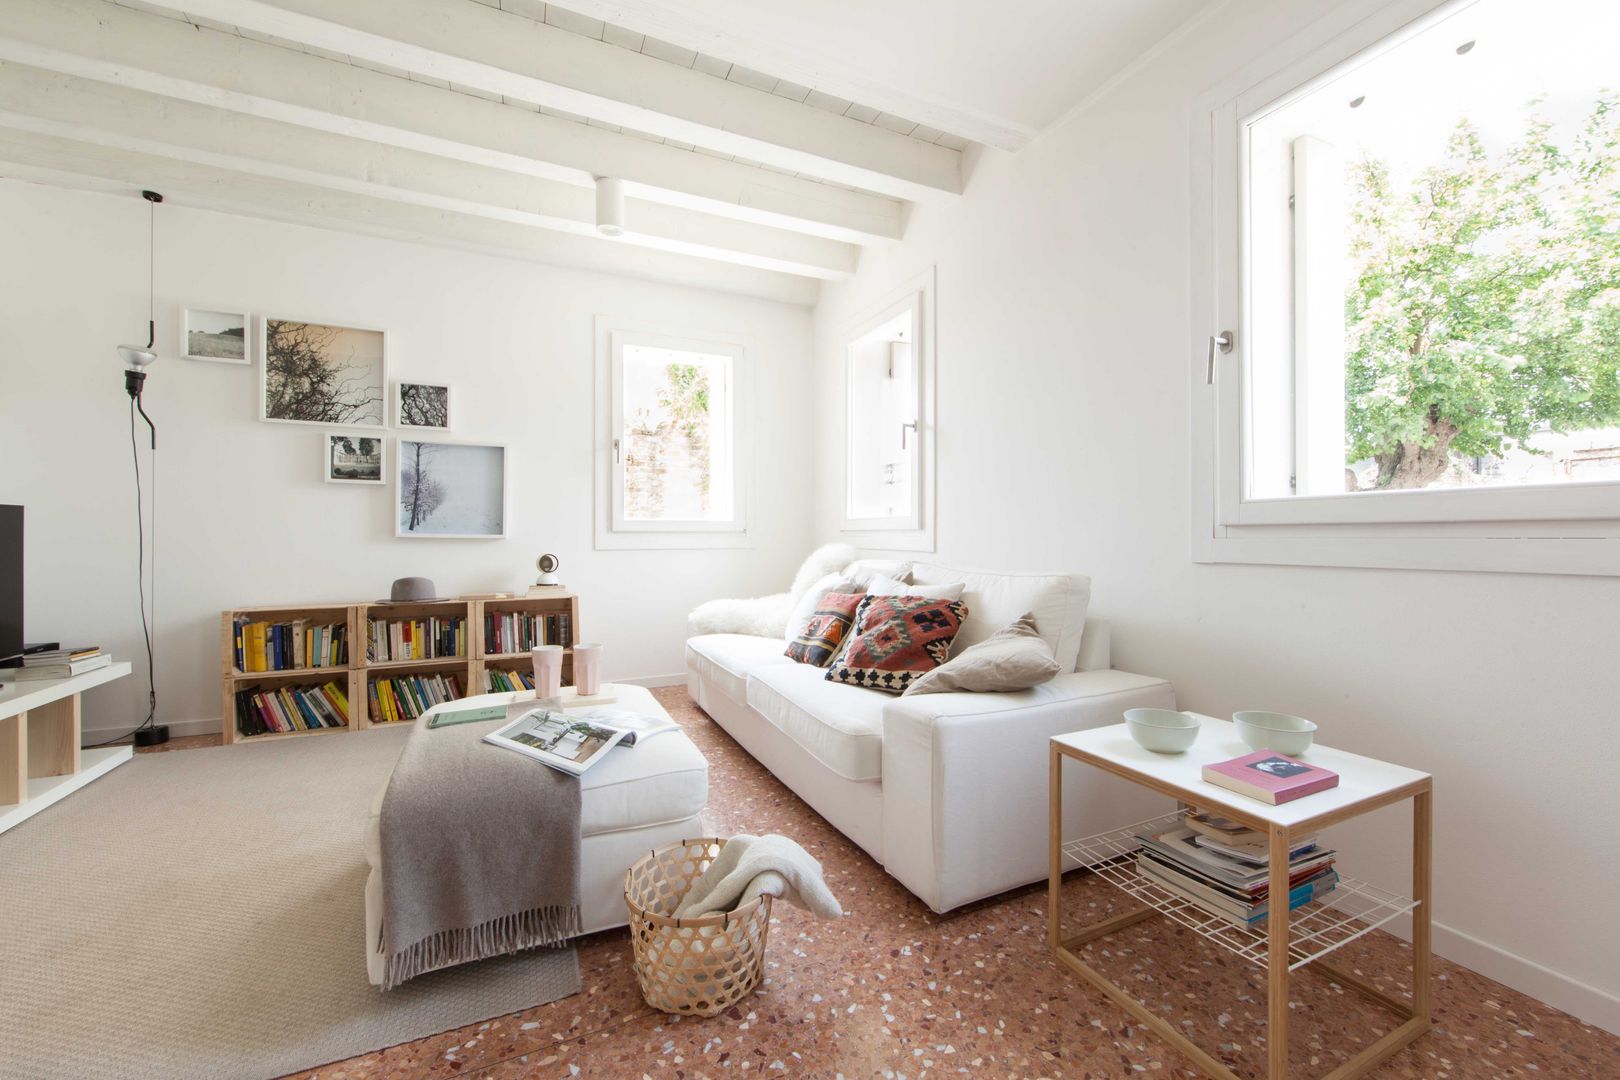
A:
<point x="62" y="162"/>
<point x="122" y="119"/>
<point x="691" y="26"/>
<point x="504" y="53"/>
<point x="102" y="41"/>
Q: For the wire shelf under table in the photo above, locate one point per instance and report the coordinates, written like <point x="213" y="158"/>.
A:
<point x="1350" y="910"/>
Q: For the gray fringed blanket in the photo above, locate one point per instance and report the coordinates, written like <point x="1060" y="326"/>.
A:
<point x="480" y="852"/>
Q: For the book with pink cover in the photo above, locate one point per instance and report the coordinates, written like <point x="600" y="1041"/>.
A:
<point x="1270" y="777"/>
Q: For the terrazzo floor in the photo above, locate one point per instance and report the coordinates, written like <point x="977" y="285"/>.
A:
<point x="898" y="992"/>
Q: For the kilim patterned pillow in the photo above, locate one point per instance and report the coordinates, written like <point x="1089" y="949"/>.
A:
<point x="825" y="631"/>
<point x="897" y="639"/>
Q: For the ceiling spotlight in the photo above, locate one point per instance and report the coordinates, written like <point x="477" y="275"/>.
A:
<point x="1356" y="103"/>
<point x="609" y="206"/>
<point x="1465" y="48"/>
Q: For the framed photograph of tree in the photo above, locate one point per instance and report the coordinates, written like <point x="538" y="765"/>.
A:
<point x="354" y="458"/>
<point x="320" y="373"/>
<point x="422" y="405"/>
<point x="447" y="490"/>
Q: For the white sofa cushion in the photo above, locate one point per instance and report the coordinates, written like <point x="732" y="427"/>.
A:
<point x="864" y="571"/>
<point x="840" y="726"/>
<point x="1058" y="602"/>
<point x="726" y="660"/>
<point x="888" y="586"/>
<point x="661" y="780"/>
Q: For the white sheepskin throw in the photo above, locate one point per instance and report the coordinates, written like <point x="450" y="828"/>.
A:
<point x="827" y="559"/>
<point x="764" y="616"/>
<point x="767" y="616"/>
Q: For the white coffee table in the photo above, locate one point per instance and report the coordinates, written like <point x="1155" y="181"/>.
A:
<point x="634" y="800"/>
<point x="1290" y="941"/>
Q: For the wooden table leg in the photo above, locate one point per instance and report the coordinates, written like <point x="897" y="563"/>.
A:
<point x="1422" y="885"/>
<point x="1054" y="842"/>
<point x="13" y="759"/>
<point x="53" y="738"/>
<point x="1277" y="956"/>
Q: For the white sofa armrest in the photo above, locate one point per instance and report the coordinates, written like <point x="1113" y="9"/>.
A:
<point x="965" y="781"/>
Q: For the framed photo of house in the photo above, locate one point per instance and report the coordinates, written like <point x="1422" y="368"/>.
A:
<point x="421" y="405"/>
<point x="353" y="457"/>
<point x="323" y="373"/>
<point x="450" y="491"/>
<point x="220" y="337"/>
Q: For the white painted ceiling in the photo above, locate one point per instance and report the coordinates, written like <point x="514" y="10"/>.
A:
<point x="995" y="73"/>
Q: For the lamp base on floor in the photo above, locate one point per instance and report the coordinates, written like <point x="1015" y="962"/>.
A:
<point x="156" y="735"/>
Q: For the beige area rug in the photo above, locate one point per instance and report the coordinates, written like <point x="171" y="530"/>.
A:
<point x="200" y="914"/>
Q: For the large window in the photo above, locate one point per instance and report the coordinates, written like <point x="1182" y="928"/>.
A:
<point x="675" y="428"/>
<point x="1417" y="275"/>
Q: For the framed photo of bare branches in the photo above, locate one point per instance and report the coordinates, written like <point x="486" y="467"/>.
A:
<point x="422" y="405"/>
<point x="446" y="490"/>
<point x="322" y="373"/>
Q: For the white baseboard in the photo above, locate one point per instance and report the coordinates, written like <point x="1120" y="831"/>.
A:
<point x="211" y="727"/>
<point x="176" y="728"/>
<point x="655" y="681"/>
<point x="1589" y="1004"/>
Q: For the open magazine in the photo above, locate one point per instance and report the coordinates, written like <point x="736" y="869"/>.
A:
<point x="572" y="742"/>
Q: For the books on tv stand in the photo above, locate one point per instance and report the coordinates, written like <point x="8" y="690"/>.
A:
<point x="421" y="676"/>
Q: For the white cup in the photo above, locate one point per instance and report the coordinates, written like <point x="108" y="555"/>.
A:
<point x="548" y="664"/>
<point x="588" y="668"/>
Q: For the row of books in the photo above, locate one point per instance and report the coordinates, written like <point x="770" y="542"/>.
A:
<point x="287" y="646"/>
<point x="60" y="663"/>
<point x="416" y="639"/>
<point x="517" y="631"/>
<point x="405" y="697"/>
<point x="497" y="681"/>
<point x="291" y="708"/>
<point x="1224" y="867"/>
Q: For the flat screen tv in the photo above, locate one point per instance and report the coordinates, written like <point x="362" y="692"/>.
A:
<point x="11" y="581"/>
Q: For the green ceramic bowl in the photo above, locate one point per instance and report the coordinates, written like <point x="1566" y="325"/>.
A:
<point x="1162" y="730"/>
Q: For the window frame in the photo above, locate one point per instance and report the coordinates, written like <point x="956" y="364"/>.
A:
<point x="1566" y="528"/>
<point x="912" y="519"/>
<point x="914" y="531"/>
<point x="612" y="530"/>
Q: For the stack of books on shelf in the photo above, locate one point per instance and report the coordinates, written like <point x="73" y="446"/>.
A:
<point x="282" y="709"/>
<point x="497" y="681"/>
<point x="1223" y="867"/>
<point x="517" y="631"/>
<point x="286" y="646"/>
<point x="405" y="697"/>
<point x="416" y="639"/>
<point x="61" y="663"/>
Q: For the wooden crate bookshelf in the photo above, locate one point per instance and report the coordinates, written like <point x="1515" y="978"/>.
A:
<point x="356" y="675"/>
<point x="550" y="603"/>
<point x="237" y="680"/>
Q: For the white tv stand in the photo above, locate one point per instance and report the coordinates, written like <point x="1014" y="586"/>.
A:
<point x="40" y="759"/>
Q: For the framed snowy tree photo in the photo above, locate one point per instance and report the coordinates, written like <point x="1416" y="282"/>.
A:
<point x="454" y="491"/>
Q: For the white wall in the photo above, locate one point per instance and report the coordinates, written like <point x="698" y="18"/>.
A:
<point x="1063" y="443"/>
<point x="243" y="514"/>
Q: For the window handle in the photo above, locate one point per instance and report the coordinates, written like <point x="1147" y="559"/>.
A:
<point x="615" y="451"/>
<point x="910" y="424"/>
<point x="1222" y="341"/>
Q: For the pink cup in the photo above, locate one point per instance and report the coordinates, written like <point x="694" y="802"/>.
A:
<point x="548" y="664"/>
<point x="588" y="668"/>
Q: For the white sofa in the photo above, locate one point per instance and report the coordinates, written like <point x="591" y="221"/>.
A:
<point x="947" y="791"/>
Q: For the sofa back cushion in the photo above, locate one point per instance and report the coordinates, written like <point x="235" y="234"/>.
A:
<point x="1058" y="602"/>
<point x="895" y="639"/>
<point x="865" y="571"/>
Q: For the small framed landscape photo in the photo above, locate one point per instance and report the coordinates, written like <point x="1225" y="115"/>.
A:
<point x="450" y="490"/>
<point x="422" y="405"/>
<point x="353" y="458"/>
<point x="217" y="336"/>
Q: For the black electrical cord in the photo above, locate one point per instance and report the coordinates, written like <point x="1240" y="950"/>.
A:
<point x="140" y="571"/>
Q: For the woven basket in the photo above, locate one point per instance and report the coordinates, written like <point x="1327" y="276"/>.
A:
<point x="701" y="966"/>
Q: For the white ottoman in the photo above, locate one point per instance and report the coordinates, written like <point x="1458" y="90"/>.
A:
<point x="636" y="799"/>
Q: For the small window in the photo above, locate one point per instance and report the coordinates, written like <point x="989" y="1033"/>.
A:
<point x="674" y="429"/>
<point x="889" y="425"/>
